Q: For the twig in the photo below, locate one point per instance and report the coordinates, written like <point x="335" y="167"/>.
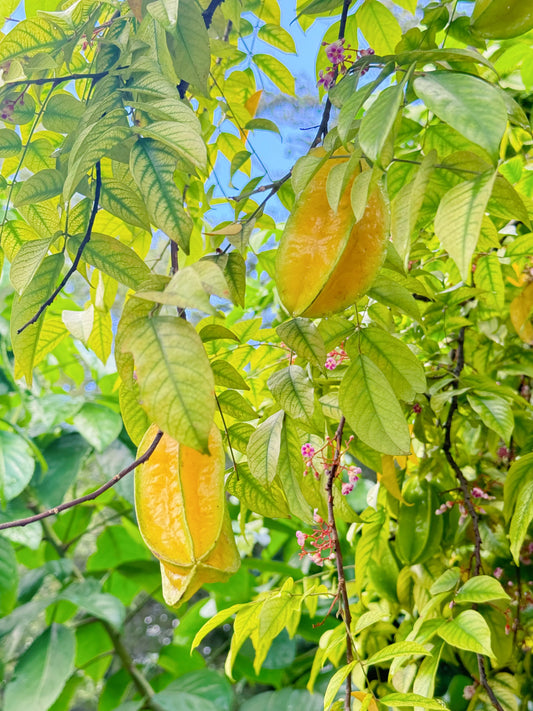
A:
<point x="323" y="127"/>
<point x="232" y="453"/>
<point x="447" y="446"/>
<point x="88" y="497"/>
<point x="95" y="76"/>
<point x="76" y="260"/>
<point x="342" y="592"/>
<point x="140" y="682"/>
<point x="174" y="268"/>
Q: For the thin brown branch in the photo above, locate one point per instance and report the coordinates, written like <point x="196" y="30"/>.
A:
<point x="42" y="81"/>
<point x="323" y="127"/>
<point x="467" y="496"/>
<point x="88" y="497"/>
<point x="342" y="592"/>
<point x="232" y="453"/>
<point x="76" y="260"/>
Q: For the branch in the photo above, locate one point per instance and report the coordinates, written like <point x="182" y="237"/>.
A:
<point x="342" y="592"/>
<point x="447" y="446"/>
<point x="88" y="497"/>
<point x="323" y="128"/>
<point x="76" y="260"/>
<point x="95" y="76"/>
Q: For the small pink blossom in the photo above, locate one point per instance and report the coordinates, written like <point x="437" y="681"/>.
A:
<point x="497" y="572"/>
<point x="469" y="691"/>
<point x="503" y="453"/>
<point x="442" y="509"/>
<point x="354" y="473"/>
<point x="331" y="364"/>
<point x="417" y="408"/>
<point x="478" y="493"/>
<point x="316" y="517"/>
<point x="326" y="80"/>
<point x="317" y="559"/>
<point x="347" y="488"/>
<point x="301" y="538"/>
<point x="308" y="451"/>
<point x="463" y="512"/>
<point x="507" y="629"/>
<point x="335" y="52"/>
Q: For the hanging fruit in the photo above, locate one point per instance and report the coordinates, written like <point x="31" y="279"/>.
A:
<point x="325" y="262"/>
<point x="182" y="514"/>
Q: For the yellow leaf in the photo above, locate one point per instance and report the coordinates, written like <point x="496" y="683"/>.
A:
<point x="389" y="477"/>
<point x="520" y="311"/>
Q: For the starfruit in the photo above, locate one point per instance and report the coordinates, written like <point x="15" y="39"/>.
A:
<point x="419" y="529"/>
<point x="326" y="260"/>
<point x="182" y="514"/>
<point x="502" y="19"/>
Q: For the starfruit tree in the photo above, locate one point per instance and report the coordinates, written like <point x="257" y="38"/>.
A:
<point x="329" y="416"/>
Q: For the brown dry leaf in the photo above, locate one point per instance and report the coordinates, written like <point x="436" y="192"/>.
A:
<point x="520" y="311"/>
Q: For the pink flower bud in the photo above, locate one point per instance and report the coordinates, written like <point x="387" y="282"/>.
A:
<point x="347" y="488"/>
<point x="301" y="538"/>
<point x="497" y="572"/>
<point x="354" y="473"/>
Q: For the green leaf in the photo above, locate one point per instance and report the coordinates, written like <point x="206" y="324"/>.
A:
<point x="185" y="290"/>
<point x="89" y="597"/>
<point x="447" y="581"/>
<point x="27" y="261"/>
<point x="62" y="113"/>
<point x="467" y="103"/>
<point x="98" y="424"/>
<point x="26" y="306"/>
<point x="215" y="621"/>
<point x="293" y="391"/>
<point x="153" y="170"/>
<point x="397" y="649"/>
<point x="303" y="337"/>
<point x="266" y="501"/>
<point x="169" y="700"/>
<point x="113" y="258"/>
<point x="459" y="218"/>
<point x="522" y="517"/>
<point x="207" y="684"/>
<point x="227" y="376"/>
<point x="467" y="631"/>
<point x="277" y="72"/>
<point x="116" y="546"/>
<point x="409" y="700"/>
<point x="395" y="295"/>
<point x="396" y="361"/>
<point x="379" y="26"/>
<point x="482" y="588"/>
<point x="10" y="143"/>
<point x="41" y="671"/>
<point x="277" y="36"/>
<point x="28" y="37"/>
<point x="9" y="577"/>
<point x="488" y="276"/>
<point x="16" y="465"/>
<point x="335" y="683"/>
<point x="213" y="332"/>
<point x="379" y="120"/>
<point x="287" y="699"/>
<point x="371" y="408"/>
<point x="184" y="138"/>
<point x="176" y="383"/>
<point x="235" y="405"/>
<point x="92" y="143"/>
<point x="120" y="200"/>
<point x="263" y="449"/>
<point x="290" y="471"/>
<point x="64" y="457"/>
<point x="495" y="412"/>
<point x="189" y="45"/>
<point x="41" y="186"/>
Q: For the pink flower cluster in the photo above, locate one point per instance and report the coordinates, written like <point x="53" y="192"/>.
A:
<point x="477" y="493"/>
<point x="335" y="358"/>
<point x="339" y="54"/>
<point x="320" y="542"/>
<point x="353" y="477"/>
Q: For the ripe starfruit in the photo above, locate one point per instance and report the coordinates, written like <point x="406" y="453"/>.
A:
<point x="502" y="19"/>
<point x="326" y="260"/>
<point x="182" y="514"/>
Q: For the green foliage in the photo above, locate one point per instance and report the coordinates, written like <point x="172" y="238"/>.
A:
<point x="379" y="461"/>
